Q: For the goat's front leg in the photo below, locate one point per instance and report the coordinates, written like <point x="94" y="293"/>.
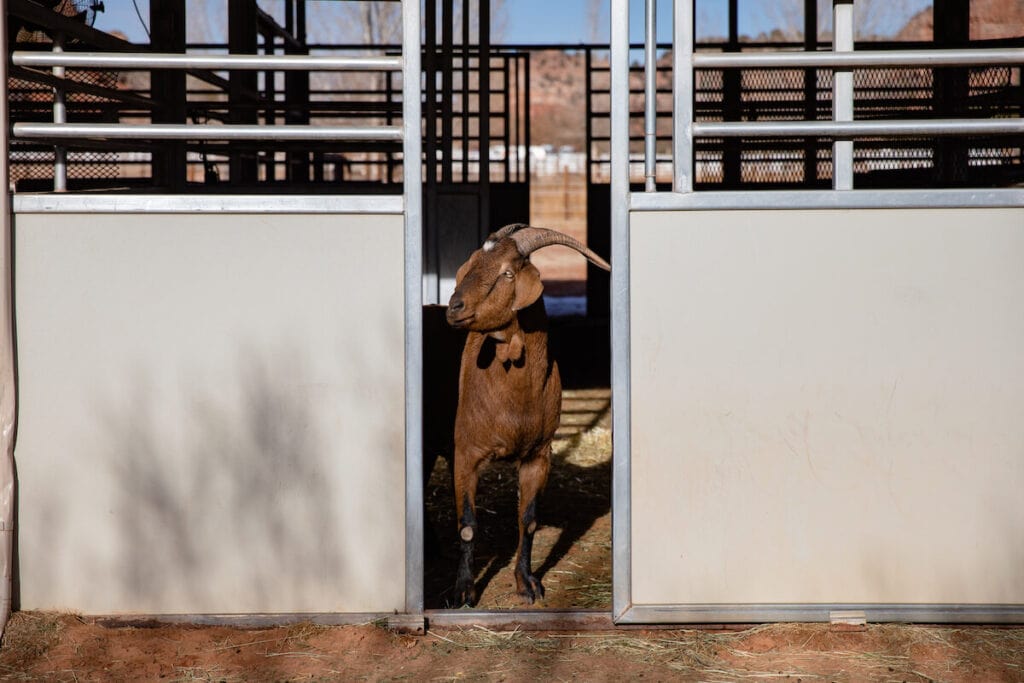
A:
<point x="533" y="474"/>
<point x="467" y="472"/>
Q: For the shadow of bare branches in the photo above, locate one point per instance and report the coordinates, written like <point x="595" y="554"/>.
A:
<point x="243" y="509"/>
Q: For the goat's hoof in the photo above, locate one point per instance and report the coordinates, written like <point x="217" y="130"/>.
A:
<point x="465" y="594"/>
<point x="530" y="589"/>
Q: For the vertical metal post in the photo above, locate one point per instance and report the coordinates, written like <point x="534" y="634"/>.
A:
<point x="8" y="393"/>
<point x="682" y="93"/>
<point x="506" y="64"/>
<point x="464" y="109"/>
<point x="842" y="94"/>
<point x="951" y="91"/>
<point x="413" y="189"/>
<point x="588" y="74"/>
<point x="389" y="118"/>
<point x="810" y="91"/>
<point x="242" y="32"/>
<point x="60" y="115"/>
<point x="170" y="167"/>
<point x="732" y="95"/>
<point x="526" y="116"/>
<point x="296" y="91"/>
<point x="515" y="119"/>
<point x="431" y="248"/>
<point x="270" y="101"/>
<point x="484" y="107"/>
<point x="619" y="65"/>
<point x="447" y="83"/>
<point x="650" y="95"/>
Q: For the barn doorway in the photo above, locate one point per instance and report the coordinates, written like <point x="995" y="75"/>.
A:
<point x="528" y="164"/>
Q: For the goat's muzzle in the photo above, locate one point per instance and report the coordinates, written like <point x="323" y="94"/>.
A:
<point x="456" y="315"/>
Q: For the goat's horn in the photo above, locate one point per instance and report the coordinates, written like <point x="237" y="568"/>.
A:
<point x="529" y="240"/>
<point x="501" y="233"/>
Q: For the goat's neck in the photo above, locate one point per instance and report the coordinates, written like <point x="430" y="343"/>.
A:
<point x="509" y="342"/>
<point x="527" y="328"/>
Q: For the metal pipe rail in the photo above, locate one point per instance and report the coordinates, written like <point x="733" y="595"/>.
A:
<point x="857" y="129"/>
<point x="843" y="59"/>
<point x="178" y="131"/>
<point x="880" y="59"/>
<point x="138" y="60"/>
<point x="237" y="132"/>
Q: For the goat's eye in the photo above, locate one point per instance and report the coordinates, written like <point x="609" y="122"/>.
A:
<point x="509" y="274"/>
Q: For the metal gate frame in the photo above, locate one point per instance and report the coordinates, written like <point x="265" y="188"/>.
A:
<point x="683" y="198"/>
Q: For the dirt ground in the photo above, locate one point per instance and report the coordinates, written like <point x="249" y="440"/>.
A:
<point x="63" y="647"/>
<point x="572" y="546"/>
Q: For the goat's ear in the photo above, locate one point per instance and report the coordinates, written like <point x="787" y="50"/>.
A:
<point x="528" y="287"/>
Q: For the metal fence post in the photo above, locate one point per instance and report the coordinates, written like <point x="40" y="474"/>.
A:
<point x="412" y="179"/>
<point x="650" y="95"/>
<point x="60" y="115"/>
<point x="619" y="67"/>
<point x="842" y="94"/>
<point x="682" y="93"/>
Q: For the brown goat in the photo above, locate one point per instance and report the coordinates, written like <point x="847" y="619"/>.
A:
<point x="510" y="391"/>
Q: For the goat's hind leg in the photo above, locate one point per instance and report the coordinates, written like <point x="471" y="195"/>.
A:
<point x="467" y="471"/>
<point x="533" y="474"/>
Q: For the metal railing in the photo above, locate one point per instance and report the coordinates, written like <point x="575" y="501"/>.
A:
<point x="843" y="129"/>
<point x="61" y="130"/>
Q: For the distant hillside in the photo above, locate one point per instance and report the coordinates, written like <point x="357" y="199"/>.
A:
<point x="558" y="98"/>
<point x="990" y="19"/>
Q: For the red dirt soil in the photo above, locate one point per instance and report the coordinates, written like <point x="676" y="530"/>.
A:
<point x="62" y="647"/>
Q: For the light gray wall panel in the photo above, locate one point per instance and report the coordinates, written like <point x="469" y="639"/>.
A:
<point x="211" y="412"/>
<point x="826" y="406"/>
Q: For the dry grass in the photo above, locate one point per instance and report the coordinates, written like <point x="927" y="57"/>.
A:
<point x="27" y="638"/>
<point x="808" y="652"/>
<point x="779" y="651"/>
<point x="480" y="638"/>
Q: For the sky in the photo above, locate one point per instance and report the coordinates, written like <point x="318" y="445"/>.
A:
<point x="566" y="21"/>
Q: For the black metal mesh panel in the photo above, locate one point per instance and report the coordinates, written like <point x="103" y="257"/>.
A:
<point x="34" y="102"/>
<point x="908" y="93"/>
<point x="761" y="95"/>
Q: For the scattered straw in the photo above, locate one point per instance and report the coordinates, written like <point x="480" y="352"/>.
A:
<point x="29" y="636"/>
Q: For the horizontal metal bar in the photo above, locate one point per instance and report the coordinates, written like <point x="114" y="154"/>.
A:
<point x="179" y="131"/>
<point x="111" y="202"/>
<point x="150" y="60"/>
<point x="828" y="199"/>
<point x="241" y="620"/>
<point x="507" y="620"/>
<point x="875" y="613"/>
<point x="864" y="59"/>
<point x="857" y="129"/>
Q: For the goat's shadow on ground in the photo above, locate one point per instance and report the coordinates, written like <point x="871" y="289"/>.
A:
<point x="576" y="496"/>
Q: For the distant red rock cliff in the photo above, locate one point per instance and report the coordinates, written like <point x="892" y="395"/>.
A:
<point x="989" y="19"/>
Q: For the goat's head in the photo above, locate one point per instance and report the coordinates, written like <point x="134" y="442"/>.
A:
<point x="498" y="279"/>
